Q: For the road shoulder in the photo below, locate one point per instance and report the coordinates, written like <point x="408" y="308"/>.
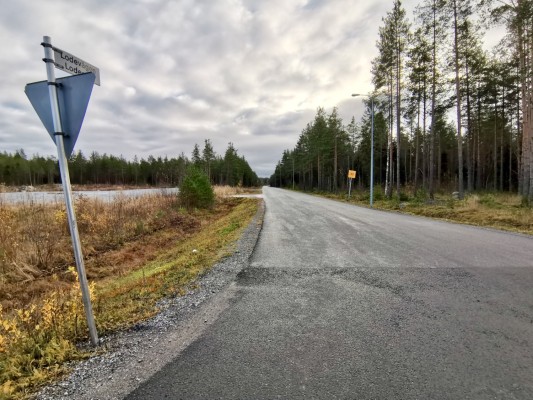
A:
<point x="128" y="358"/>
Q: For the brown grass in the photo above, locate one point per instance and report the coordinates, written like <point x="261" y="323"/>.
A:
<point x="503" y="211"/>
<point x="137" y="251"/>
<point x="227" y="191"/>
<point x="500" y="211"/>
<point x="35" y="240"/>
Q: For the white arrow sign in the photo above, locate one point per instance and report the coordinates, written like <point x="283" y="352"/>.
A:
<point x="74" y="65"/>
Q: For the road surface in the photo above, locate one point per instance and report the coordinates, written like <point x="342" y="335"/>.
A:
<point x="344" y="302"/>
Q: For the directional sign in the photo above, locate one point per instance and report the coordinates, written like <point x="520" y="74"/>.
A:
<point x="351" y="173"/>
<point x="74" y="65"/>
<point x="73" y="94"/>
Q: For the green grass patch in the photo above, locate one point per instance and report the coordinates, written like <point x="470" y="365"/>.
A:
<point x="232" y="227"/>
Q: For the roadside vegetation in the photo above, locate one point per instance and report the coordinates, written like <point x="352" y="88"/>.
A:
<point x="496" y="210"/>
<point x="136" y="250"/>
<point x="446" y="112"/>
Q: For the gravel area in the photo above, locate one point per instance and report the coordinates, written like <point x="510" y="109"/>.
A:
<point x="126" y="359"/>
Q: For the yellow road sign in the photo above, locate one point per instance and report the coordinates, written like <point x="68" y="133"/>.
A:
<point x="351" y="173"/>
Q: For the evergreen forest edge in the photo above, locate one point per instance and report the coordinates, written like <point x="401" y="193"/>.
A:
<point x="230" y="169"/>
<point x="424" y="73"/>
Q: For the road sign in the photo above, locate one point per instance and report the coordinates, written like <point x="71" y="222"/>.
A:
<point x="73" y="94"/>
<point x="351" y="175"/>
<point x="62" y="113"/>
<point x="74" y="65"/>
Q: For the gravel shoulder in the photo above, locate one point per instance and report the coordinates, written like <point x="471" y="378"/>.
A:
<point x="128" y="358"/>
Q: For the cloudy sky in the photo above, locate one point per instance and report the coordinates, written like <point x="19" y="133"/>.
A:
<point x="174" y="73"/>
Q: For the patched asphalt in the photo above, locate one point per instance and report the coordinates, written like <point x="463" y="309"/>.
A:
<point x="344" y="302"/>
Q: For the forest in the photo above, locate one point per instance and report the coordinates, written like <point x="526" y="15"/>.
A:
<point x="103" y="169"/>
<point x="447" y="115"/>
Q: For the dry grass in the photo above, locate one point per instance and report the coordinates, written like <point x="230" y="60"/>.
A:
<point x="137" y="251"/>
<point x="35" y="240"/>
<point x="228" y="191"/>
<point x="503" y="211"/>
<point x="173" y="269"/>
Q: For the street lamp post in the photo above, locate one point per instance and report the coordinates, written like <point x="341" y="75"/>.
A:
<point x="371" y="148"/>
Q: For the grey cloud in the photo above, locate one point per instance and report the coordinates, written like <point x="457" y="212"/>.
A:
<point x="177" y="72"/>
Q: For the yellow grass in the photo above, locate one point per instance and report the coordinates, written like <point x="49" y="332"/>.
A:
<point x="227" y="191"/>
<point x="503" y="211"/>
<point x="137" y="251"/>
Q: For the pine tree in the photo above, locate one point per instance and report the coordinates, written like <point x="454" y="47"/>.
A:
<point x="196" y="159"/>
<point x="389" y="66"/>
<point x="208" y="156"/>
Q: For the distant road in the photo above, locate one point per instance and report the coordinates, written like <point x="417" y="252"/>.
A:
<point x="344" y="302"/>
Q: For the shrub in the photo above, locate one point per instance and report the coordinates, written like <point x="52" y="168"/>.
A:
<point x="36" y="340"/>
<point x="488" y="200"/>
<point x="404" y="196"/>
<point x="196" y="190"/>
<point x="378" y="194"/>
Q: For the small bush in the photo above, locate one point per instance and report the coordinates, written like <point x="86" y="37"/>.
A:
<point x="196" y="190"/>
<point x="36" y="340"/>
<point x="471" y="202"/>
<point x="489" y="200"/>
<point x="404" y="196"/>
<point x="420" y="196"/>
<point x="378" y="194"/>
<point x="450" y="203"/>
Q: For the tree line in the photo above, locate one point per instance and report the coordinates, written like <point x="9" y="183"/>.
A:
<point x="447" y="113"/>
<point x="16" y="169"/>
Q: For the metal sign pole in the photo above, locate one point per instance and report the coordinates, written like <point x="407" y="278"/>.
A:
<point x="350" y="188"/>
<point x="65" y="179"/>
<point x="372" y="158"/>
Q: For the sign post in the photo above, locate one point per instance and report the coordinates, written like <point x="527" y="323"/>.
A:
<point x="351" y="176"/>
<point x="65" y="179"/>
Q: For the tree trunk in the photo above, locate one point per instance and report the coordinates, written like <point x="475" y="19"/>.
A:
<point x="458" y="95"/>
<point x="501" y="140"/>
<point x="398" y="116"/>
<point x="417" y="144"/>
<point x="525" y="156"/>
<point x="424" y="145"/>
<point x="335" y="166"/>
<point x="529" y="107"/>
<point x="469" y="161"/>
<point x="495" y="151"/>
<point x="478" y="144"/>
<point x="388" y="177"/>
<point x="433" y="101"/>
<point x="439" y="162"/>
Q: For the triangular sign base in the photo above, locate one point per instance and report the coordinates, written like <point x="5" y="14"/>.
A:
<point x="73" y="94"/>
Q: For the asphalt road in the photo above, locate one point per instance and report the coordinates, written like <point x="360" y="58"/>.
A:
<point x="343" y="302"/>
